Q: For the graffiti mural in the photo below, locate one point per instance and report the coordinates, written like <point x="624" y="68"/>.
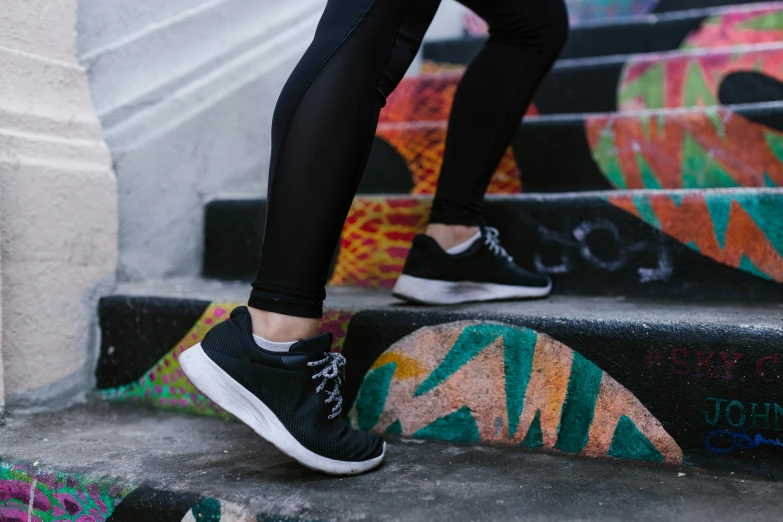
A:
<point x="596" y="236"/>
<point x="713" y="148"/>
<point x="742" y="231"/>
<point x="29" y="494"/>
<point x="635" y="137"/>
<point x="376" y="238"/>
<point x="738" y="425"/>
<point x="706" y="148"/>
<point x="165" y="384"/>
<point x="691" y="79"/>
<point x="404" y="125"/>
<point x="494" y="383"/>
<point x="739" y="26"/>
<point x="422" y="146"/>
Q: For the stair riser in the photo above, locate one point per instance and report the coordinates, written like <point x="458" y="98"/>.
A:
<point x="632" y="36"/>
<point x="583" y="42"/>
<point x="713" y="246"/>
<point x="594" y="245"/>
<point x="666" y="379"/>
<point x="652" y="81"/>
<point x="717" y="148"/>
<point x="675" y="372"/>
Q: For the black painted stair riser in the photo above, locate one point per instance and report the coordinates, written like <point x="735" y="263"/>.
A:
<point x="640" y="35"/>
<point x="586" y="244"/>
<point x="554" y="153"/>
<point x="697" y="378"/>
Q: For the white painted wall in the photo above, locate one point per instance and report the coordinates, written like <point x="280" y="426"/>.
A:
<point x="448" y="21"/>
<point x="185" y="91"/>
<point x="58" y="204"/>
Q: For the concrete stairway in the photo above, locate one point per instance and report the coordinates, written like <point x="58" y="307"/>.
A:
<point x="661" y="343"/>
<point x="125" y="464"/>
<point x="644" y="182"/>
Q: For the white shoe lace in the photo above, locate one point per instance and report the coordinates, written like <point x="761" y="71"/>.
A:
<point x="492" y="240"/>
<point x="333" y="365"/>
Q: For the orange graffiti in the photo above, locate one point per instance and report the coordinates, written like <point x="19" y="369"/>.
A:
<point x="689" y="221"/>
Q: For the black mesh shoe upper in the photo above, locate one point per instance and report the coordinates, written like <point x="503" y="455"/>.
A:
<point x="284" y="383"/>
<point x="484" y="262"/>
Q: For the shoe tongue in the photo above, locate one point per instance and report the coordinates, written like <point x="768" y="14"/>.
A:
<point x="317" y="345"/>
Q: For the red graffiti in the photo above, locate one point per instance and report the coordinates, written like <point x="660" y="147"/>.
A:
<point x="711" y="364"/>
<point x="766" y="367"/>
<point x="703" y="360"/>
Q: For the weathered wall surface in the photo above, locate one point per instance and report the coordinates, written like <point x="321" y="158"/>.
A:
<point x="2" y="389"/>
<point x="185" y="92"/>
<point x="58" y="202"/>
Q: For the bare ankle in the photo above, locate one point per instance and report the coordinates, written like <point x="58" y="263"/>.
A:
<point x="449" y="236"/>
<point x="281" y="328"/>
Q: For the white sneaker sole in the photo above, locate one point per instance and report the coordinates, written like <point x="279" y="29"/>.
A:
<point x="437" y="292"/>
<point x="227" y="393"/>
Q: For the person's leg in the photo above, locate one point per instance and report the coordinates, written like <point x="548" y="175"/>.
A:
<point x="459" y="259"/>
<point x="322" y="132"/>
<point x="526" y="37"/>
<point x="290" y="393"/>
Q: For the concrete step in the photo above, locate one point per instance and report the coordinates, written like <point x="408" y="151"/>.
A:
<point x="632" y="380"/>
<point x="706" y="28"/>
<point x="728" y="146"/>
<point x="681" y="78"/>
<point x="683" y="244"/>
<point x="112" y="463"/>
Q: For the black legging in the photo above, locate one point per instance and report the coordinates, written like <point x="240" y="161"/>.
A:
<point x="327" y="113"/>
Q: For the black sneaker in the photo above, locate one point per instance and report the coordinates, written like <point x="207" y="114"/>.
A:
<point x="292" y="399"/>
<point x="484" y="272"/>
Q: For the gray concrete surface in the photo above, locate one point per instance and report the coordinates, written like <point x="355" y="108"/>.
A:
<point x="58" y="208"/>
<point x="750" y="315"/>
<point x="420" y="480"/>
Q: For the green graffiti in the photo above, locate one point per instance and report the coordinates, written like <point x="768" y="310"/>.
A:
<point x="766" y="211"/>
<point x="55" y="496"/>
<point x="748" y="266"/>
<point x="520" y="345"/>
<point x="459" y="426"/>
<point x="579" y="405"/>
<point x="648" y="176"/>
<point x="207" y="511"/>
<point x="395" y="428"/>
<point x="629" y="443"/>
<point x="535" y="437"/>
<point x="696" y="90"/>
<point x="775" y="143"/>
<point x="605" y="154"/>
<point x="372" y="395"/>
<point x="472" y="341"/>
<point x="700" y="169"/>
<point x="649" y="86"/>
<point x="767" y="22"/>
<point x="644" y="206"/>
<point x="720" y="209"/>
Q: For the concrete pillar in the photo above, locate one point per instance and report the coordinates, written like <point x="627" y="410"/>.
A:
<point x="2" y="388"/>
<point x="58" y="201"/>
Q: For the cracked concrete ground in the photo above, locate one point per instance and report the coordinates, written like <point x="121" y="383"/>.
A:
<point x="420" y="480"/>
